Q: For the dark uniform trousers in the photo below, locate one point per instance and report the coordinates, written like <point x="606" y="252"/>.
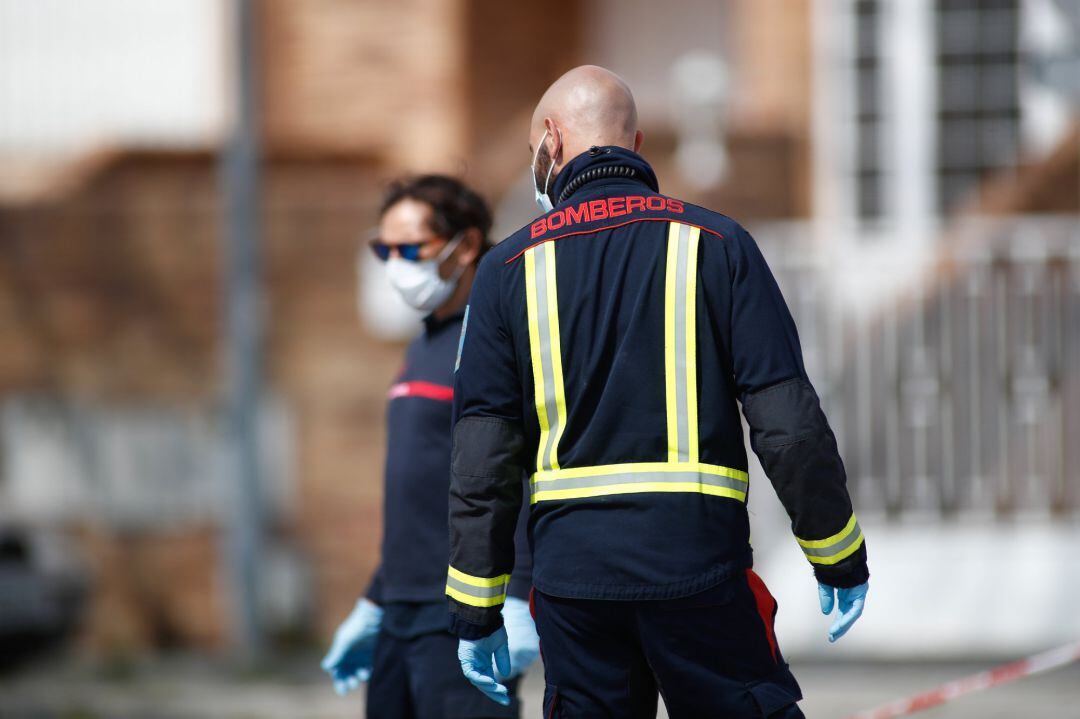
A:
<point x="420" y="678"/>
<point x="712" y="654"/>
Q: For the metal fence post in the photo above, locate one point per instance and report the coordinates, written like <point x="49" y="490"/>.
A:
<point x="244" y="326"/>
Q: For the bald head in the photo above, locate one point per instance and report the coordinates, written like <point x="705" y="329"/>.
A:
<point x="587" y="106"/>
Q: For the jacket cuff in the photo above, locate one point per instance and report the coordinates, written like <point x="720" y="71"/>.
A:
<point x="375" y="588"/>
<point x="473" y="622"/>
<point x="851" y="572"/>
<point x="520" y="586"/>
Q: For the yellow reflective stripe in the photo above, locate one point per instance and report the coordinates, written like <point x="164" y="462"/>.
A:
<point x="540" y="393"/>
<point x="680" y="342"/>
<point x="691" y="343"/>
<point x="640" y="467"/>
<point x="475" y="601"/>
<point x="476" y="591"/>
<point x="545" y="347"/>
<point x="477" y="581"/>
<point x="669" y="342"/>
<point x="608" y="489"/>
<point x="556" y="353"/>
<point x="829" y="541"/>
<point x="637" y="477"/>
<point x="835" y="548"/>
<point x="844" y="554"/>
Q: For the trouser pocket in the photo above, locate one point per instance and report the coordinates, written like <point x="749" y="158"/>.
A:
<point x="776" y="695"/>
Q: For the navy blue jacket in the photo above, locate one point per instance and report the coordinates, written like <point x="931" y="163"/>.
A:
<point x="608" y="346"/>
<point x="417" y="478"/>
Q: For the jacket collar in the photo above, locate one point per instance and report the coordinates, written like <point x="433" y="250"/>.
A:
<point x="433" y="324"/>
<point x="600" y="166"/>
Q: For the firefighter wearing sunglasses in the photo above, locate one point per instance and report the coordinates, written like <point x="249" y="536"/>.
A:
<point x="432" y="233"/>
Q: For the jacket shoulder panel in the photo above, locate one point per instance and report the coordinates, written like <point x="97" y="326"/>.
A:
<point x="717" y="223"/>
<point x="512" y="246"/>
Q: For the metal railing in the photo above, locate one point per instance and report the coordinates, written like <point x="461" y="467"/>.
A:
<point x="959" y="392"/>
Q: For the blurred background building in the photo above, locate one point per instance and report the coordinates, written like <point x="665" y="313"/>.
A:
<point x="910" y="167"/>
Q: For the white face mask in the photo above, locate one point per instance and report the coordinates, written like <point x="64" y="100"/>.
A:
<point x="419" y="282"/>
<point x="543" y="201"/>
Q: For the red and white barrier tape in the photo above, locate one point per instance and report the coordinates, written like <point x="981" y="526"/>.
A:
<point x="976" y="682"/>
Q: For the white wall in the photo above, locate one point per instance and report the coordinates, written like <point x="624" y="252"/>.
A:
<point x="76" y="74"/>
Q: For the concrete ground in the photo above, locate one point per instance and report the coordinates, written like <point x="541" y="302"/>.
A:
<point x="191" y="688"/>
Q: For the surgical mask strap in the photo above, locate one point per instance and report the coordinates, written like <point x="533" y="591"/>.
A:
<point x="536" y="154"/>
<point x="459" y="269"/>
<point x="543" y="200"/>
<point x="450" y="247"/>
<point x="547" y="180"/>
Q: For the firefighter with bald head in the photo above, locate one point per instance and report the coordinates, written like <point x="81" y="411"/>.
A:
<point x="608" y="347"/>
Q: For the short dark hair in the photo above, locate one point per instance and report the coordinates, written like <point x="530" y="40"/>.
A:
<point x="454" y="205"/>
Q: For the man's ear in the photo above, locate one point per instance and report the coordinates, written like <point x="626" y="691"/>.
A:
<point x="471" y="243"/>
<point x="555" y="138"/>
<point x="639" y="138"/>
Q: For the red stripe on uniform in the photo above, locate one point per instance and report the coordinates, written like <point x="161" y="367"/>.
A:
<point x="428" y="390"/>
<point x="766" y="607"/>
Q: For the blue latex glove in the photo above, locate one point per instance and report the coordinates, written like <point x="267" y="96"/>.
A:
<point x="851" y="602"/>
<point x="475" y="657"/>
<point x="521" y="634"/>
<point x="349" y="660"/>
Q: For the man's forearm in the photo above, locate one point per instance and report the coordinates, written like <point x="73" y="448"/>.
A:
<point x="485" y="498"/>
<point x="798" y="452"/>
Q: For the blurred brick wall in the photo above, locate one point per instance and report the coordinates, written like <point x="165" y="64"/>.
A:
<point x="420" y="85"/>
<point x="131" y="608"/>
<point x="113" y="295"/>
<point x="772" y="61"/>
<point x="513" y="52"/>
<point x="383" y="78"/>
<point x="111" y="291"/>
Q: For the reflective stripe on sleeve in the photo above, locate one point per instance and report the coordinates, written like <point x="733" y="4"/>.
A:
<point x="476" y="591"/>
<point x="835" y="548"/>
<point x="583" y="482"/>
<point x="546" y="351"/>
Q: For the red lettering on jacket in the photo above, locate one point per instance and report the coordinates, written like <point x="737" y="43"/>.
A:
<point x="598" y="209"/>
<point x="592" y="210"/>
<point x="577" y="215"/>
